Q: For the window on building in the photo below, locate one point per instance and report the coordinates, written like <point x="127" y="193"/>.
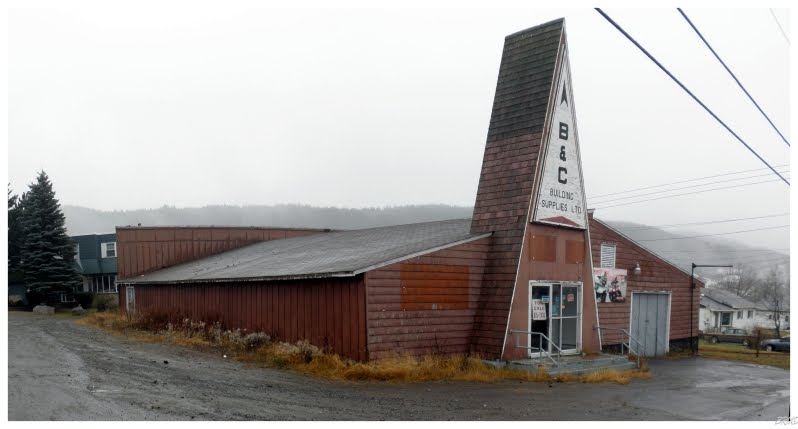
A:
<point x="607" y="255"/>
<point x="739" y="315"/>
<point x="103" y="284"/>
<point x="750" y="314"/>
<point x="108" y="250"/>
<point x="725" y="319"/>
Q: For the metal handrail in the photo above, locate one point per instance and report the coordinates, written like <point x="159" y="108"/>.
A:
<point x="559" y="350"/>
<point x="629" y="345"/>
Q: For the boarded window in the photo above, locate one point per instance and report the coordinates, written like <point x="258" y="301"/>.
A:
<point x="607" y="255"/>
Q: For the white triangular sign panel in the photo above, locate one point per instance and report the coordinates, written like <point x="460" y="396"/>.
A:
<point x="561" y="198"/>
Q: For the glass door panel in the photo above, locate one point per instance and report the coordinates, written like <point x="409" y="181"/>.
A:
<point x="569" y="330"/>
<point x="540" y="299"/>
<point x="565" y="317"/>
<point x="570" y="301"/>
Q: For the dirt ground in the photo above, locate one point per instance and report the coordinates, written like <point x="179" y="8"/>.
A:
<point x="62" y="371"/>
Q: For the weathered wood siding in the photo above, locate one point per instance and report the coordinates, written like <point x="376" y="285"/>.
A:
<point x="656" y="276"/>
<point x="508" y="170"/>
<point x="144" y="249"/>
<point x="425" y="304"/>
<point x="328" y="313"/>
<point x="552" y="254"/>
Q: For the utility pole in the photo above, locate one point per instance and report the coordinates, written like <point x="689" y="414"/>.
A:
<point x="694" y="345"/>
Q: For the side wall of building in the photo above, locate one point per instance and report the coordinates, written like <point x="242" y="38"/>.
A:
<point x="426" y="304"/>
<point x="329" y="313"/>
<point x="144" y="249"/>
<point x="656" y="276"/>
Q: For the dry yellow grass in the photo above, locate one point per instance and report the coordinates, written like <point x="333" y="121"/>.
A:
<point x="307" y="359"/>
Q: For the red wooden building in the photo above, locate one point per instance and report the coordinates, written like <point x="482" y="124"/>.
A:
<point x="515" y="280"/>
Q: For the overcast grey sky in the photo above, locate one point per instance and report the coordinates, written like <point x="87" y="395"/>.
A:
<point x="352" y="108"/>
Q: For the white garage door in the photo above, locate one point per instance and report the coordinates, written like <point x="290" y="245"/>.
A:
<point x="650" y="323"/>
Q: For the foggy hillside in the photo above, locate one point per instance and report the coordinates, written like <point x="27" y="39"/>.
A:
<point x="81" y="220"/>
<point x="709" y="250"/>
<point x="702" y="251"/>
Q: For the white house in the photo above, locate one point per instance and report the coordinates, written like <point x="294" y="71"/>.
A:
<point x="764" y="317"/>
<point x="720" y="309"/>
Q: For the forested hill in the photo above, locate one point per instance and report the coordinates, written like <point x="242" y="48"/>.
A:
<point x="81" y="220"/>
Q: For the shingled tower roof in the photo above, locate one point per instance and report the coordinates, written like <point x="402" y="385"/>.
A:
<point x="524" y="86"/>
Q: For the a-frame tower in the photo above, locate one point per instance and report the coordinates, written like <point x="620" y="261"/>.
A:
<point x="531" y="196"/>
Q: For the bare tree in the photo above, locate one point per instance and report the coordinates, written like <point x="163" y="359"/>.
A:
<point x="742" y="280"/>
<point x="775" y="296"/>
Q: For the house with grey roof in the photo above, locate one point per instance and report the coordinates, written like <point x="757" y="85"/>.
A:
<point x="721" y="309"/>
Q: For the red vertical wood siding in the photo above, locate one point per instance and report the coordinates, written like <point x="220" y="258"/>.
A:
<point x="656" y="275"/>
<point x="551" y="253"/>
<point x="425" y="304"/>
<point x="279" y="309"/>
<point x="144" y="249"/>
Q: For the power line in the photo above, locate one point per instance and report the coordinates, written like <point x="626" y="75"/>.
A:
<point x="678" y="82"/>
<point x="732" y="75"/>
<point x="687" y="193"/>
<point x="721" y="233"/>
<point x="703" y="223"/>
<point x="686" y="181"/>
<point x="779" y="24"/>
<point x="725" y="251"/>
<point x="679" y="189"/>
<point x="757" y="263"/>
<point x="738" y="258"/>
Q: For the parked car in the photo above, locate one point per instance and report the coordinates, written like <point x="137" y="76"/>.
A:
<point x="730" y="335"/>
<point x="777" y="344"/>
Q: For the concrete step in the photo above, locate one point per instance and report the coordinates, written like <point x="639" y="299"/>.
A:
<point x="578" y="371"/>
<point x="570" y="364"/>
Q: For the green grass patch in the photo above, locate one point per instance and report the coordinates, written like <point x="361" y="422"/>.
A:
<point x="736" y="352"/>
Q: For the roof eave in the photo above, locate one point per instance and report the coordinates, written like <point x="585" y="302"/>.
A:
<point x="133" y="282"/>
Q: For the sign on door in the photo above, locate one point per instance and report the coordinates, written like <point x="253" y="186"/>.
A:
<point x="538" y="309"/>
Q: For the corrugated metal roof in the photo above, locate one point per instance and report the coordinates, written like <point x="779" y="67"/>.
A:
<point x="730" y="299"/>
<point x="334" y="254"/>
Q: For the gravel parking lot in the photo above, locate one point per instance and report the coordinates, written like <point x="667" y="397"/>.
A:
<point x="76" y="373"/>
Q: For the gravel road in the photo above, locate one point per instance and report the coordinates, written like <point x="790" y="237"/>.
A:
<point x="59" y="370"/>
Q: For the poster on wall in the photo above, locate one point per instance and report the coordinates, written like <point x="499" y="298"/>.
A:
<point x="609" y="284"/>
<point x="560" y="200"/>
<point x="538" y="310"/>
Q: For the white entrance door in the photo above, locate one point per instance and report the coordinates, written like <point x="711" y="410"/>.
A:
<point x="555" y="310"/>
<point x="650" y="322"/>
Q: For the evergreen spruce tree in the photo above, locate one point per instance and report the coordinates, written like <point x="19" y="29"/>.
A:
<point x="15" y="203"/>
<point x="47" y="254"/>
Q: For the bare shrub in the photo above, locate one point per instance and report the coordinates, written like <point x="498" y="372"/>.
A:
<point x="256" y="340"/>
